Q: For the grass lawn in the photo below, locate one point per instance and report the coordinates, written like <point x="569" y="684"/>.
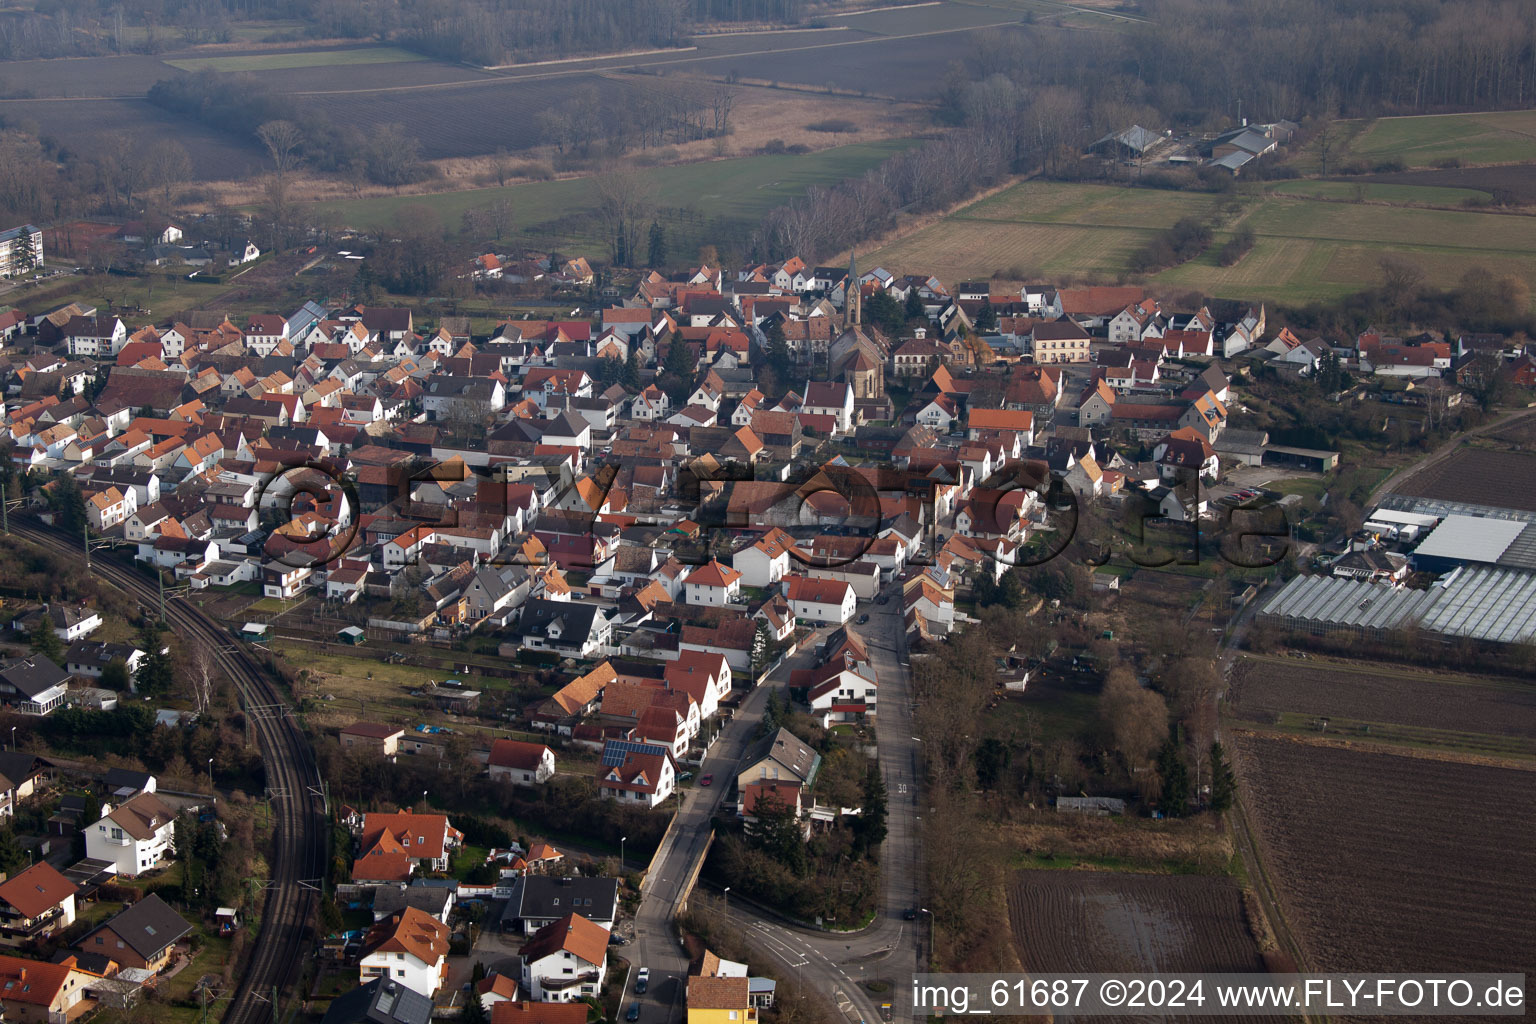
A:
<point x="1306" y="249"/>
<point x="744" y="188"/>
<point x="298" y="59"/>
<point x="1505" y="136"/>
<point x="160" y="293"/>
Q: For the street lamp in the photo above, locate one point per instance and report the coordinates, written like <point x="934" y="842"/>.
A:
<point x="727" y="903"/>
<point x="210" y="773"/>
<point x="621" y="853"/>
<point x="13" y="739"/>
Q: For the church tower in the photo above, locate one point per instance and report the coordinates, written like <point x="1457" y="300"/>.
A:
<point x="853" y="295"/>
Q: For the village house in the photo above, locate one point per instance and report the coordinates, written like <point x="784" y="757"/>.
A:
<point x="410" y="949"/>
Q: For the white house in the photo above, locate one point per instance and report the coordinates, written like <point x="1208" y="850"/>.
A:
<point x="565" y="961"/>
<point x="134" y="837"/>
<point x="637" y="773"/>
<point x="835" y="400"/>
<point x="765" y="561"/>
<point x="410" y="948"/>
<point x="527" y="764"/>
<point x="712" y="584"/>
<point x="820" y="600"/>
<point x="703" y="675"/>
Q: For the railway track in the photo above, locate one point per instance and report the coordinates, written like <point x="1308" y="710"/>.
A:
<point x="300" y="826"/>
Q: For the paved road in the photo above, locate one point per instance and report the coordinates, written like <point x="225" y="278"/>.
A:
<point x="830" y="963"/>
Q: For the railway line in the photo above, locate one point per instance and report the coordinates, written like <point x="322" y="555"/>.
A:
<point x="300" y="826"/>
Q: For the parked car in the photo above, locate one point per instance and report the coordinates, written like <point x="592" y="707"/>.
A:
<point x="684" y="776"/>
<point x="642" y="981"/>
<point x="634" y="1012"/>
<point x="909" y="914"/>
<point x="706" y="779"/>
<point x="862" y="619"/>
<point x="616" y="940"/>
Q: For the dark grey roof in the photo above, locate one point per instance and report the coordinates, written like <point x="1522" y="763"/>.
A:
<point x="391" y="899"/>
<point x="122" y="778"/>
<point x="381" y="1001"/>
<point x="543" y="898"/>
<point x="33" y="675"/>
<point x="148" y="927"/>
<point x="20" y="766"/>
<point x="575" y="618"/>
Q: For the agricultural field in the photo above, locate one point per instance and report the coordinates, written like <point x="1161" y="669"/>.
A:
<point x="1382" y="192"/>
<point x="1420" y="708"/>
<point x="1514" y="182"/>
<point x="1478" y="476"/>
<point x="287" y="59"/>
<point x="1307" y="249"/>
<point x="1497" y="137"/>
<point x="742" y="189"/>
<point x="1067" y="921"/>
<point x="1394" y="863"/>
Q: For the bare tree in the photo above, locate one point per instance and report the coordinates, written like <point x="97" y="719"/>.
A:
<point x="626" y="201"/>
<point x="1400" y="279"/>
<point x="199" y="669"/>
<point x="282" y="139"/>
<point x="169" y="166"/>
<point x="1137" y="718"/>
<point x="722" y="100"/>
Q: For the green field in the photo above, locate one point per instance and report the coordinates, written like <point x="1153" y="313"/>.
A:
<point x="1505" y="136"/>
<point x="1411" y="195"/>
<point x="298" y="59"/>
<point x="1307" y="249"/>
<point x="558" y="212"/>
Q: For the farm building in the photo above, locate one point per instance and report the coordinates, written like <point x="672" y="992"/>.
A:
<point x="1483" y="603"/>
<point x="351" y="635"/>
<point x="1312" y="460"/>
<point x="1392" y="524"/>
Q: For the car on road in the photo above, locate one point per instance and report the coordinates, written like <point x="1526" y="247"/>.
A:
<point x="642" y="981"/>
<point x="633" y="1013"/>
<point x="617" y="940"/>
<point x="706" y="779"/>
<point x="862" y="619"/>
<point x="909" y="914"/>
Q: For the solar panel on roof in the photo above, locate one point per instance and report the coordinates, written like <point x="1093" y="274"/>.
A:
<point x="616" y="750"/>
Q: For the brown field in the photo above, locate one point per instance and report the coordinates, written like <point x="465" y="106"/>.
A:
<point x="1388" y="863"/>
<point x="1102" y="921"/>
<point x="459" y="112"/>
<point x="1478" y="476"/>
<point x="1421" y="699"/>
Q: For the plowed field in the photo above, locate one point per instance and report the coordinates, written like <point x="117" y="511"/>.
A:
<point x="1394" y="863"/>
<point x="1070" y="921"/>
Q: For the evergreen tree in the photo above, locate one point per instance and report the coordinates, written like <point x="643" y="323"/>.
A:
<point x="986" y="317"/>
<point x="156" y="672"/>
<point x="884" y="312"/>
<point x="870" y="827"/>
<point x="992" y="758"/>
<point x="657" y="249"/>
<point x="914" y="307"/>
<point x="1223" y="781"/>
<point x="46" y="642"/>
<point x="115" y="676"/>
<point x="331" y="921"/>
<point x="24" y="260"/>
<point x="65" y="499"/>
<point x="777" y="833"/>
<point x="631" y="377"/>
<point x="779" y="359"/>
<point x="1175" y="776"/>
<point x="12" y="856"/>
<point x="474" y="1009"/>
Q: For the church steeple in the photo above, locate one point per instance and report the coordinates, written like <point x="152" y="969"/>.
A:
<point x="854" y="294"/>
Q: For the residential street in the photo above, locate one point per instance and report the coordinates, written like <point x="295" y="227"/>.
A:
<point x="830" y="962"/>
